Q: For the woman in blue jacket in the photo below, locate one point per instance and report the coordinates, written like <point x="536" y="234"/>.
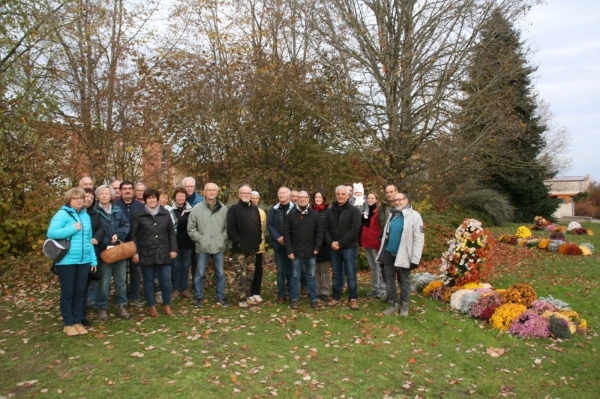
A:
<point x="73" y="222"/>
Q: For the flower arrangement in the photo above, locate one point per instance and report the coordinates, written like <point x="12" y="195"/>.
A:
<point x="554" y="245"/>
<point x="540" y="306"/>
<point x="522" y="294"/>
<point x="590" y="232"/>
<point x="485" y="291"/>
<point x="552" y="228"/>
<point x="573" y="226"/>
<point x="588" y="246"/>
<point x="570" y="249"/>
<point x="530" y="324"/>
<point x="539" y="223"/>
<point x="438" y="293"/>
<point x="420" y="280"/>
<point x="508" y="239"/>
<point x="543" y="244"/>
<point x="560" y="305"/>
<point x="585" y="251"/>
<point x="523" y="232"/>
<point x="448" y="293"/>
<point x="456" y="298"/>
<point x="558" y="236"/>
<point x="462" y="261"/>
<point x="559" y="328"/>
<point x="532" y="242"/>
<point x="468" y="300"/>
<point x="485" y="306"/>
<point x="505" y="314"/>
<point x="472" y="286"/>
<point x="435" y="284"/>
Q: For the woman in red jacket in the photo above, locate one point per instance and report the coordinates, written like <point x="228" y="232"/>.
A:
<point x="370" y="242"/>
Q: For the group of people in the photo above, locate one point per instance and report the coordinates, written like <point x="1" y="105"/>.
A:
<point x="308" y="235"/>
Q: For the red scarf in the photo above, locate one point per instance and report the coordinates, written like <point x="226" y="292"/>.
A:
<point x="319" y="208"/>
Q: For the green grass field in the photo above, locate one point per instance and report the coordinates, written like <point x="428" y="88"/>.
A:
<point x="271" y="351"/>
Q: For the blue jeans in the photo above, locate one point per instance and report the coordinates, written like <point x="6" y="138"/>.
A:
<point x="73" y="279"/>
<point x="308" y="265"/>
<point x="181" y="269"/>
<point x="201" y="262"/>
<point x="118" y="271"/>
<point x="134" y="281"/>
<point x="164" y="281"/>
<point x="284" y="272"/>
<point x="344" y="261"/>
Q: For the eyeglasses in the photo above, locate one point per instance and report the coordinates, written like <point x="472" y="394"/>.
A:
<point x="78" y="199"/>
<point x="400" y="199"/>
<point x="246" y="193"/>
<point x="303" y="196"/>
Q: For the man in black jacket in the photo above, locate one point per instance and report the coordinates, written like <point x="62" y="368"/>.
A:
<point x="303" y="238"/>
<point x="342" y="232"/>
<point x="244" y="231"/>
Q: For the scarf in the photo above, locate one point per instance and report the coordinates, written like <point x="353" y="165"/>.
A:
<point x="108" y="210"/>
<point x="151" y="211"/>
<point x="319" y="208"/>
<point x="367" y="221"/>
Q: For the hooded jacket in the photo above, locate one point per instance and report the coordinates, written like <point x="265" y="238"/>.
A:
<point x="62" y="225"/>
<point x="208" y="229"/>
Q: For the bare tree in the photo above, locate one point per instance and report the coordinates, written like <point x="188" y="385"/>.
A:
<point x="407" y="59"/>
<point x="557" y="139"/>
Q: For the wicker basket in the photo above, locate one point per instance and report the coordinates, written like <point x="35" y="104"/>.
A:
<point x="119" y="252"/>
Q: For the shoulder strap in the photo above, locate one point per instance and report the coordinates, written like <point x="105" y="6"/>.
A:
<point x="76" y="221"/>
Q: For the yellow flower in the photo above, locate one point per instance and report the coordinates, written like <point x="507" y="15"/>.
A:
<point x="590" y="232"/>
<point x="505" y="314"/>
<point x="585" y="251"/>
<point x="435" y="284"/>
<point x="523" y="232"/>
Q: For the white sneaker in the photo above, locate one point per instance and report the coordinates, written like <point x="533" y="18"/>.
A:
<point x="243" y="304"/>
<point x="257" y="299"/>
<point x="251" y="301"/>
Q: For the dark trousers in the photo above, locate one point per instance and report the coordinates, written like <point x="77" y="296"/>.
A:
<point x="258" y="273"/>
<point x="73" y="279"/>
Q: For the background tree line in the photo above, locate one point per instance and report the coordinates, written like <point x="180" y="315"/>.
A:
<point x="307" y="93"/>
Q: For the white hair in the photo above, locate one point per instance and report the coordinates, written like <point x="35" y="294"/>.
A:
<point x="338" y="188"/>
<point x="303" y="192"/>
<point x="208" y="184"/>
<point x="288" y="190"/>
<point x="242" y="186"/>
<point x="140" y="184"/>
<point x="83" y="178"/>
<point x="104" y="187"/>
<point x="256" y="193"/>
<point x="188" y="178"/>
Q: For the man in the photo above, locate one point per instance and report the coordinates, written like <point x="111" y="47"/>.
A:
<point x="400" y="252"/>
<point x="294" y="196"/>
<point x="116" y="185"/>
<point x="86" y="182"/>
<point x="243" y="229"/>
<point x="342" y="232"/>
<point x="384" y="208"/>
<point x="303" y="280"/>
<point x="303" y="238"/>
<point x="139" y="192"/>
<point x="130" y="206"/>
<point x="255" y="291"/>
<point x="276" y="227"/>
<point x="189" y="183"/>
<point x="207" y="227"/>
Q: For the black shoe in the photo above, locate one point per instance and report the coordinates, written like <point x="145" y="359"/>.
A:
<point x="314" y="305"/>
<point x="223" y="303"/>
<point x="86" y="323"/>
<point x="304" y="291"/>
<point x="294" y="305"/>
<point x="198" y="303"/>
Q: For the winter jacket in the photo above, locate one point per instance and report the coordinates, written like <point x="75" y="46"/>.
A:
<point x="303" y="232"/>
<point x="382" y="216"/>
<point x="208" y="229"/>
<point x="343" y="225"/>
<point x="243" y="227"/>
<point x="194" y="199"/>
<point x="97" y="229"/>
<point x="180" y="217"/>
<point x="411" y="242"/>
<point x="115" y="223"/>
<point x="62" y="225"/>
<point x="273" y="225"/>
<point x="369" y="236"/>
<point x="129" y="210"/>
<point x="263" y="227"/>
<point x="154" y="237"/>
<point x="323" y="255"/>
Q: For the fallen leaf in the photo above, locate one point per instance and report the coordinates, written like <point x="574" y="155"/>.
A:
<point x="495" y="352"/>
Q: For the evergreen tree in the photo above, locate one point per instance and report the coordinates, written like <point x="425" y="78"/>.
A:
<point x="499" y="131"/>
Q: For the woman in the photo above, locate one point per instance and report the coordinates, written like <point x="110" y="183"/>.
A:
<point x="180" y="213"/>
<point x="91" y="288"/>
<point x="154" y="236"/>
<point x="369" y="239"/>
<point x="73" y="222"/>
<point x="255" y="289"/>
<point x="322" y="275"/>
<point x="116" y="227"/>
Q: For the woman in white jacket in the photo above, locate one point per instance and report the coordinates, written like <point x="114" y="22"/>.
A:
<point x="400" y="251"/>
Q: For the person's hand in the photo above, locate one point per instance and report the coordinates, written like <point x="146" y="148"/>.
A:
<point x="135" y="258"/>
<point x="78" y="226"/>
<point x="291" y="256"/>
<point x="113" y="239"/>
<point x="280" y="240"/>
<point x="173" y="254"/>
<point x="335" y="246"/>
<point x="94" y="241"/>
<point x="315" y="252"/>
<point x="93" y="269"/>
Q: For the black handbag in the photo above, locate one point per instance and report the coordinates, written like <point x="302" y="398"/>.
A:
<point x="57" y="249"/>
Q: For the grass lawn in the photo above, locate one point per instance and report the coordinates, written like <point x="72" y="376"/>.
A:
<point x="334" y="353"/>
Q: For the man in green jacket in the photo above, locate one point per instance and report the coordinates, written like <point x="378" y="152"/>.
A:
<point x="207" y="227"/>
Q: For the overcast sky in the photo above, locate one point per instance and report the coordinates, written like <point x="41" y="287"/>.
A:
<point x="566" y="35"/>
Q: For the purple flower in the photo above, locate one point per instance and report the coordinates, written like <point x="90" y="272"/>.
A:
<point x="540" y="306"/>
<point x="530" y="324"/>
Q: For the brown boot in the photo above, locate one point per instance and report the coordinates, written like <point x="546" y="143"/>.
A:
<point x="167" y="310"/>
<point x="152" y="311"/>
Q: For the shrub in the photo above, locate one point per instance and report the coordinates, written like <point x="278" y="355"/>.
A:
<point x="490" y="202"/>
<point x="586" y="209"/>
